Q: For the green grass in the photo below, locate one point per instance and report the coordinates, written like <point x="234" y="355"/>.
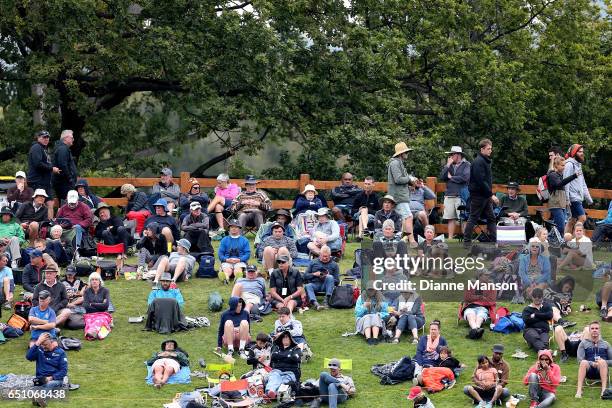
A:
<point x="111" y="372"/>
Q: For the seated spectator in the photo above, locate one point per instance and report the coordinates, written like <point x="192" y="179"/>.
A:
<point x="31" y="214"/>
<point x="59" y="249"/>
<point x="281" y="216"/>
<point x="428" y="348"/>
<point x="179" y="263"/>
<point x="326" y="232"/>
<point x="594" y="358"/>
<point x="151" y="246"/>
<point x="514" y="209"/>
<point x="166" y="189"/>
<point x="277" y="244"/>
<point x="534" y="268"/>
<point x="59" y="297"/>
<point x="322" y="275"/>
<point x="536" y="317"/>
<point x="42" y="317"/>
<point x="503" y="369"/>
<point x="603" y="230"/>
<point x="11" y="236"/>
<point x="51" y="363"/>
<point x="559" y="297"/>
<point x="409" y="315"/>
<point x="388" y="243"/>
<point x="167" y="223"/>
<point x="425" y="247"/>
<point x="75" y="288"/>
<point x="307" y="200"/>
<point x="234" y="253"/>
<point x="251" y="289"/>
<point x="287" y="323"/>
<point x="110" y="229"/>
<point x="136" y="211"/>
<point x="578" y="251"/>
<point x="20" y="193"/>
<point x="167" y="362"/>
<point x="96" y="297"/>
<point x="568" y="343"/>
<point x="286" y="287"/>
<point x="419" y="192"/>
<point x="78" y="214"/>
<point x="251" y="204"/>
<point x="165" y="291"/>
<point x="285" y="360"/>
<point x="543" y="378"/>
<point x="195" y="229"/>
<point x="486" y="389"/>
<point x="370" y="313"/>
<point x="7" y="283"/>
<point x="387" y="212"/>
<point x="164" y="313"/>
<point x="334" y="387"/>
<point x="365" y="205"/>
<point x="234" y="328"/>
<point x="343" y="197"/>
<point x="259" y="354"/>
<point x="419" y="398"/>
<point x="478" y="306"/>
<point x="605" y="301"/>
<point x="194" y="195"/>
<point x="33" y="273"/>
<point x="225" y="193"/>
<point x="85" y="196"/>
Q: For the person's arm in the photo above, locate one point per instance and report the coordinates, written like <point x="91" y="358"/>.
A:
<point x="299" y="287"/>
<point x="335" y="271"/>
<point x="580" y="354"/>
<point x="32" y="353"/>
<point x="505" y="375"/>
<point x="526" y="316"/>
<point x="609" y="359"/>
<point x="98" y="306"/>
<point x="26" y="282"/>
<point x="39" y="160"/>
<point x="265" y="203"/>
<point x="462" y="174"/>
<point x="173" y="192"/>
<point x="546" y="313"/>
<point x="395" y="168"/>
<point x="545" y="267"/>
<point x="523" y="262"/>
<point x="86" y="216"/>
<point x="335" y="231"/>
<point x="428" y="194"/>
<point x="61" y="159"/>
<point x="360" y="309"/>
<point x="140" y="201"/>
<point x="554" y="374"/>
<point x="384" y="310"/>
<point x="310" y="269"/>
<point x="182" y="359"/>
<point x="444" y="173"/>
<point x="297" y="328"/>
<point x="419" y="358"/>
<point x="532" y="370"/>
<point x="63" y="299"/>
<point x="223" y="249"/>
<point x="62" y="370"/>
<point x="524" y="209"/>
<point x="151" y="297"/>
<point x="292" y="248"/>
<point x="338" y="194"/>
<point x="186" y="226"/>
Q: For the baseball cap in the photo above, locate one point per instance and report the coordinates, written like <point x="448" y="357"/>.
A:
<point x="414" y="392"/>
<point x="71" y="270"/>
<point x="498" y="348"/>
<point x="166" y="172"/>
<point x="44" y="294"/>
<point x="21" y="174"/>
<point x="334" y="363"/>
<point x="283" y="258"/>
<point x="251" y="268"/>
<point x="72" y="197"/>
<point x="195" y="206"/>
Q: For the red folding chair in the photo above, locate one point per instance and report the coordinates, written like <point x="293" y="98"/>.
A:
<point x="102" y="264"/>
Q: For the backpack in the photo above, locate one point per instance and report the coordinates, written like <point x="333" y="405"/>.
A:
<point x="69" y="343"/>
<point x="542" y="189"/>
<point x="395" y="372"/>
<point x="23" y="309"/>
<point x="18" y="322"/>
<point x="107" y="269"/>
<point x="342" y="297"/>
<point x="509" y="324"/>
<point x="206" y="267"/>
<point x="83" y="267"/>
<point x="215" y="302"/>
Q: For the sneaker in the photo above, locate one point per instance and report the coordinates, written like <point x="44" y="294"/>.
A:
<point x="578" y="395"/>
<point x="315" y="305"/>
<point x="316" y="403"/>
<point x="395" y="341"/>
<point x="603" y="313"/>
<point x="415" y="341"/>
<point x="564" y="357"/>
<point x="243" y="354"/>
<point x="482" y="404"/>
<point x="566" y="323"/>
<point x="15" y="264"/>
<point x="370" y="342"/>
<point x="7" y="305"/>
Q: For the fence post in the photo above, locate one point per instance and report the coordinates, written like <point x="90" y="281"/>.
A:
<point x="304" y="179"/>
<point x="184" y="183"/>
<point x="431" y="183"/>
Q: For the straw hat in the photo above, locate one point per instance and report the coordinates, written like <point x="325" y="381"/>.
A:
<point x="400" y="148"/>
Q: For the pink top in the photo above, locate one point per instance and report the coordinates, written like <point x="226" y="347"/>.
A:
<point x="230" y="192"/>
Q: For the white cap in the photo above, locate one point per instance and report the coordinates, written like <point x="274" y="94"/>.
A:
<point x="195" y="205"/>
<point x="40" y="192"/>
<point x="20" y="174"/>
<point x="72" y="197"/>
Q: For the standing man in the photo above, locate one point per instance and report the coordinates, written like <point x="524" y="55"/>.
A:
<point x="365" y="206"/>
<point x="40" y="167"/>
<point x="576" y="190"/>
<point x="399" y="181"/>
<point x="482" y="198"/>
<point x="594" y="358"/>
<point x="456" y="174"/>
<point x="66" y="178"/>
<point x="344" y="196"/>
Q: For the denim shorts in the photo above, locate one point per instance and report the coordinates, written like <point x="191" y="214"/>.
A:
<point x="480" y="311"/>
<point x="576" y="209"/>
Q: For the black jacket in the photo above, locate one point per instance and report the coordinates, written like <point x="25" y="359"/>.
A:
<point x="62" y="159"/>
<point x="26" y="212"/>
<point x="113" y="222"/>
<point x="159" y="247"/>
<point x="557" y="182"/>
<point x="364" y="200"/>
<point x="59" y="296"/>
<point x="93" y="302"/>
<point x="541" y="318"/>
<point x="39" y="165"/>
<point x="481" y="178"/>
<point x="286" y="359"/>
<point x="137" y="202"/>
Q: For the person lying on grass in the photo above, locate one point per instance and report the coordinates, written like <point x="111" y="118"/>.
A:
<point x="167" y="362"/>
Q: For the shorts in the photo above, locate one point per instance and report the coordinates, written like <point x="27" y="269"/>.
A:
<point x="225" y="265"/>
<point x="277" y="304"/>
<point x="576" y="209"/>
<point x="592" y="373"/>
<point x="228" y="203"/>
<point x="250" y="298"/>
<point x="480" y="311"/>
<point x="236" y="338"/>
<point x="403" y="209"/>
<point x="167" y="363"/>
<point x="571" y="347"/>
<point x="188" y="271"/>
<point x="451" y="208"/>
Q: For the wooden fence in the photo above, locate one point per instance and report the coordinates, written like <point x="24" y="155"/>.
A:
<point x="298" y="185"/>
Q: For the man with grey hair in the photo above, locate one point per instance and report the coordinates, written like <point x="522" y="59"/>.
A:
<point x="65" y="179"/>
<point x="167" y="189"/>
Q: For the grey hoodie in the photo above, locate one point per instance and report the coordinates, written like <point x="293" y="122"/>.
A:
<point x="576" y="190"/>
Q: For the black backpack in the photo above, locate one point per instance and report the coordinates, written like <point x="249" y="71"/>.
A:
<point x="342" y="297"/>
<point x="395" y="372"/>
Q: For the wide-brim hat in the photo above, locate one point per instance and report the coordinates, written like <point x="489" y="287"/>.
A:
<point x="309" y="187"/>
<point x="101" y="205"/>
<point x="282" y="211"/>
<point x="388" y="197"/>
<point x="250" y="179"/>
<point x="323" y="212"/>
<point x="400" y="148"/>
<point x="277" y="225"/>
<point x="165" y="277"/>
<point x="513" y="184"/>
<point x="40" y="192"/>
<point x="163" y="345"/>
<point x="455" y="149"/>
<point x="184" y="242"/>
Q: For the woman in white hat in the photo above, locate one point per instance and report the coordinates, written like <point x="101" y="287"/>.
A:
<point x="399" y="181"/>
<point x="20" y="192"/>
<point x="307" y="200"/>
<point x="326" y="232"/>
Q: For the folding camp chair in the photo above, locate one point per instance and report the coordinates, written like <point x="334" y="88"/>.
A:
<point x="343" y="231"/>
<point x="511" y="235"/>
<point x="235" y="385"/>
<point x="103" y="249"/>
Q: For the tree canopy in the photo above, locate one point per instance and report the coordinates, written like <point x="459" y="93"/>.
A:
<point x="346" y="79"/>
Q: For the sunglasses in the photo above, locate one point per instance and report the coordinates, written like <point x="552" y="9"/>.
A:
<point x="281" y="262"/>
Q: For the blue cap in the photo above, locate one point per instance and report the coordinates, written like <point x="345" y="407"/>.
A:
<point x="184" y="243"/>
<point x="37" y="253"/>
<point x="161" y="203"/>
<point x="250" y="179"/>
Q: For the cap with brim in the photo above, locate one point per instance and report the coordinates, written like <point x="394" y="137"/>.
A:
<point x="322" y="212"/>
<point x="184" y="243"/>
<point x="6" y="210"/>
<point x="52" y="269"/>
<point x="40" y="192"/>
<point x="37" y="253"/>
<point x="309" y="187"/>
<point x="71" y="270"/>
<point x="72" y="197"/>
<point x="334" y="363"/>
<point x="414" y="392"/>
<point x="498" y="348"/>
<point x="282" y="258"/>
<point x="81" y="183"/>
<point x="20" y="174"/>
<point x="163" y="345"/>
<point x="400" y="148"/>
<point x="513" y="184"/>
<point x="284" y="212"/>
<point x="165" y="277"/>
<point x="166" y="172"/>
<point x="455" y="149"/>
<point x="44" y="294"/>
<point x="251" y="268"/>
<point x="250" y="179"/>
<point x="42" y="133"/>
<point x="234" y="223"/>
<point x="388" y="197"/>
<point x="101" y="205"/>
<point x="277" y="225"/>
<point x="195" y="206"/>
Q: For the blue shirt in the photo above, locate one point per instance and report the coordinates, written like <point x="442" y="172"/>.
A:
<point x="6" y="272"/>
<point x="48" y="314"/>
<point x="165" y="294"/>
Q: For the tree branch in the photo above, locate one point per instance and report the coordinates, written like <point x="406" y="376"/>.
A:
<point x="545" y="4"/>
<point x="234" y="7"/>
